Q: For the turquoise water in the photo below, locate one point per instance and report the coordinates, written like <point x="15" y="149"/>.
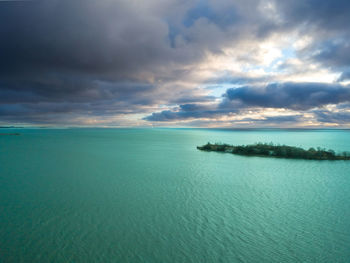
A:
<point x="147" y="195"/>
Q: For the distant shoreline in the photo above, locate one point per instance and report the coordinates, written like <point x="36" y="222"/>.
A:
<point x="305" y="129"/>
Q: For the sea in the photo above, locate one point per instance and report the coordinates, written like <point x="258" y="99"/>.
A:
<point x="148" y="195"/>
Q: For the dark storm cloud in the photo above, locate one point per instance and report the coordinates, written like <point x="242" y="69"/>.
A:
<point x="113" y="39"/>
<point x="187" y="111"/>
<point x="344" y="76"/>
<point x="82" y="52"/>
<point x="335" y="53"/>
<point x="95" y="52"/>
<point x="105" y="38"/>
<point x="64" y="58"/>
<point x="193" y="111"/>
<point x="67" y="88"/>
<point x="86" y="36"/>
<point x="296" y="96"/>
<point x="332" y="117"/>
<point x="325" y="14"/>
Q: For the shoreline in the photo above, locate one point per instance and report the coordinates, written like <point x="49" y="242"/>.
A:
<point x="276" y="151"/>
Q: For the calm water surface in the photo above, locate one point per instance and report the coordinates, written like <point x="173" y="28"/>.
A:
<point x="147" y="195"/>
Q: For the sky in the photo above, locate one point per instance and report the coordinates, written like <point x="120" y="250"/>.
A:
<point x="175" y="63"/>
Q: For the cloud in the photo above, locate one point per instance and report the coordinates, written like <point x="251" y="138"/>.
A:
<point x="86" y="36"/>
<point x="332" y="15"/>
<point x="335" y="53"/>
<point x="326" y="116"/>
<point x="295" y="96"/>
<point x="187" y="111"/>
<point x="206" y="9"/>
<point x="68" y="61"/>
<point x="240" y="101"/>
<point x="326" y="23"/>
<point x="275" y="119"/>
<point x="194" y="115"/>
<point x="89" y="53"/>
<point x="344" y="76"/>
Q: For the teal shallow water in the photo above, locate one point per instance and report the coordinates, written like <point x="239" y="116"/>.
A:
<point x="147" y="195"/>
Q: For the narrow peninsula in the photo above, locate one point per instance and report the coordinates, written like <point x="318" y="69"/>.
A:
<point x="277" y="151"/>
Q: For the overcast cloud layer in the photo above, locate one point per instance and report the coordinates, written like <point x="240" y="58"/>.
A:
<point x="251" y="63"/>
